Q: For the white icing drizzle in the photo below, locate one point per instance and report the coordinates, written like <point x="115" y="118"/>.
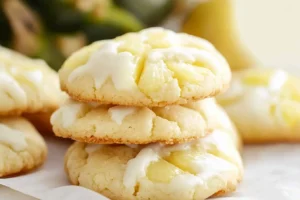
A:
<point x="13" y="138"/>
<point x="136" y="167"/>
<point x="256" y="103"/>
<point x="206" y="166"/>
<point x="185" y="182"/>
<point x="35" y="77"/>
<point x="222" y="141"/>
<point x="166" y="150"/>
<point x="277" y="80"/>
<point x="90" y="148"/>
<point x="209" y="166"/>
<point x="187" y="54"/>
<point x="163" y="36"/>
<point x="67" y="114"/>
<point x="10" y="86"/>
<point x="108" y="63"/>
<point x="118" y="113"/>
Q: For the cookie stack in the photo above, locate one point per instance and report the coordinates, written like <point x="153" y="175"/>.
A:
<point x="146" y="125"/>
<point x="27" y="87"/>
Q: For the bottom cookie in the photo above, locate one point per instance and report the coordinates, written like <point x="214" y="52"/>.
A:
<point x="195" y="170"/>
<point x="21" y="147"/>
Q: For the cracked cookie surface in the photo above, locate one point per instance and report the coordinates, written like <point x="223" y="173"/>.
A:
<point x="105" y="124"/>
<point x="206" y="167"/>
<point x="264" y="104"/>
<point x="154" y="67"/>
<point x="21" y="147"/>
<point x="26" y="85"/>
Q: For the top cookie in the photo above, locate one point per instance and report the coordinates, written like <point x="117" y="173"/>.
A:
<point x="26" y="85"/>
<point x="154" y="67"/>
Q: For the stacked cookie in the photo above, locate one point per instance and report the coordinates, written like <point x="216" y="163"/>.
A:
<point x="27" y="87"/>
<point x="146" y="127"/>
<point x="264" y="104"/>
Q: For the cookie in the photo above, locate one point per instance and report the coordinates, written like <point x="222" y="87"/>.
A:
<point x="21" y="147"/>
<point x="196" y="170"/>
<point x="26" y="85"/>
<point x="264" y="104"/>
<point x="107" y="124"/>
<point x="154" y="67"/>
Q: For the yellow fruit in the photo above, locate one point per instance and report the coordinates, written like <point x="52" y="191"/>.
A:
<point x="162" y="171"/>
<point x="213" y="20"/>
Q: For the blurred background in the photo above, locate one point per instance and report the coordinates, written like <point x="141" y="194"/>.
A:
<point x="271" y="30"/>
<point x="247" y="32"/>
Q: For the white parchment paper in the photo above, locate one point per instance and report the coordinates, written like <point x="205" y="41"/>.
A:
<point x="272" y="172"/>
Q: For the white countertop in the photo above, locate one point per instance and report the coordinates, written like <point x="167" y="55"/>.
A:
<point x="10" y="194"/>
